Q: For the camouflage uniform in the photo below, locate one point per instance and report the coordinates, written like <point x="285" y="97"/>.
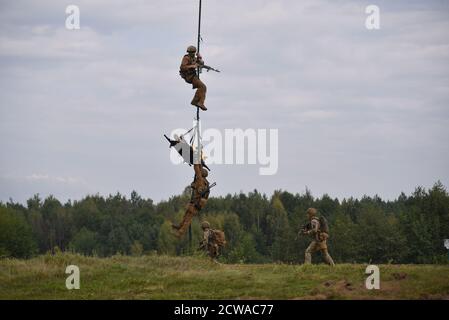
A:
<point x="211" y="247"/>
<point x="188" y="73"/>
<point x="211" y="242"/>
<point x="319" y="242"/>
<point x="200" y="194"/>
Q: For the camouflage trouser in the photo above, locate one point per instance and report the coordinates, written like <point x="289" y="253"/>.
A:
<point x="192" y="210"/>
<point x="212" y="250"/>
<point x="200" y="94"/>
<point x="318" y="246"/>
<point x="187" y="219"/>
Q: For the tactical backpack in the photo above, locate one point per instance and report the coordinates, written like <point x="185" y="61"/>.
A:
<point x="217" y="237"/>
<point x="188" y="75"/>
<point x="324" y="225"/>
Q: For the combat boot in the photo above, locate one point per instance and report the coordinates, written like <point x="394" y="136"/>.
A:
<point x="199" y="105"/>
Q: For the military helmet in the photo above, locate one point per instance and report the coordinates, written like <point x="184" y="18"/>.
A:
<point x="191" y="49"/>
<point x="204" y="173"/>
<point x="205" y="225"/>
<point x="311" y="212"/>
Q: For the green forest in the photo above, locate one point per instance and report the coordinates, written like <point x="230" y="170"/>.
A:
<point x="259" y="228"/>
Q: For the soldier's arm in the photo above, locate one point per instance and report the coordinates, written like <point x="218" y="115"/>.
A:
<point x="185" y="64"/>
<point x="315" y="227"/>
<point x="205" y="239"/>
<point x="199" y="60"/>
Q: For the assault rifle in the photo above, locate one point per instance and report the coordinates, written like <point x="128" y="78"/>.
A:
<point x="202" y="194"/>
<point x="306" y="227"/>
<point x="203" y="66"/>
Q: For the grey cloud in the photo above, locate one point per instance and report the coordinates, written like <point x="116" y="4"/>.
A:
<point x="366" y="111"/>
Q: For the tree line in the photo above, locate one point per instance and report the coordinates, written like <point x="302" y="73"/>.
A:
<point x="259" y="229"/>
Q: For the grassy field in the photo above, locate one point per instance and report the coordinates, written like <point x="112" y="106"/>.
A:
<point x="163" y="277"/>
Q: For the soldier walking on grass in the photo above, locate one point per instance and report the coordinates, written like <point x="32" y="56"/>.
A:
<point x="212" y="240"/>
<point x="318" y="230"/>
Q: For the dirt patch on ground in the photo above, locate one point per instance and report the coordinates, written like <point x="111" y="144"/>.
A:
<point x="399" y="275"/>
<point x="342" y="285"/>
<point x="344" y="289"/>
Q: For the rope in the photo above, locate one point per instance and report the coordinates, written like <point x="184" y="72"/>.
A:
<point x="198" y="72"/>
<point x="185" y="133"/>
<point x="199" y="35"/>
<point x="197" y="108"/>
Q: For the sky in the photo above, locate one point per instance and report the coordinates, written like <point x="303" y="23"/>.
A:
<point x="358" y="111"/>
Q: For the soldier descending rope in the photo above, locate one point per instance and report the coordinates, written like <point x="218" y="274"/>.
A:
<point x="190" y="63"/>
<point x="200" y="194"/>
<point x="191" y="66"/>
<point x="200" y="185"/>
